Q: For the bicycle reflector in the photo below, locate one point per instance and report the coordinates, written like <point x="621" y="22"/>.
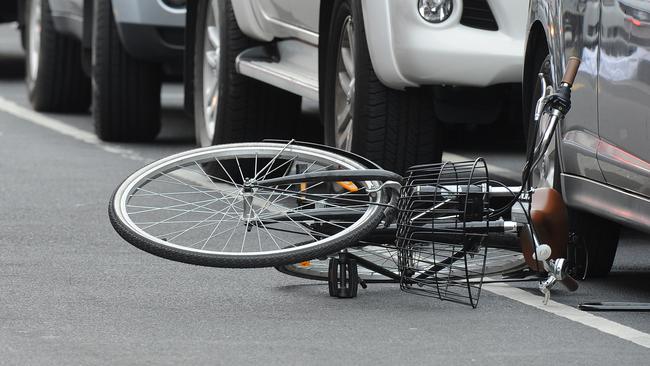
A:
<point x="443" y="221"/>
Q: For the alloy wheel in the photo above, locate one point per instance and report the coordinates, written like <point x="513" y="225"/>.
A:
<point x="34" y="42"/>
<point x="211" y="68"/>
<point x="344" y="88"/>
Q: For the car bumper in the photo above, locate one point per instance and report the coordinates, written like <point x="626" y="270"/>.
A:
<point x="407" y="51"/>
<point x="150" y="30"/>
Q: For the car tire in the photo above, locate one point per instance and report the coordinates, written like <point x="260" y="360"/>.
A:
<point x="242" y="109"/>
<point x="393" y="128"/>
<point x="594" y="240"/>
<point x="54" y="76"/>
<point x="126" y="90"/>
<point x="593" y="247"/>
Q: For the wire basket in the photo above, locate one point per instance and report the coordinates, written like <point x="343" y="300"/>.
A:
<point x="443" y="220"/>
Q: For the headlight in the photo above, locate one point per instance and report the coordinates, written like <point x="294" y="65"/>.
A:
<point x="435" y="11"/>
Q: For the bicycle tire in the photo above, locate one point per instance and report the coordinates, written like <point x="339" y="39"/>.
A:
<point x="498" y="261"/>
<point x="369" y="206"/>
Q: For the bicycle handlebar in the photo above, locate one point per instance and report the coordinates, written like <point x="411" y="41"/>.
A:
<point x="571" y="71"/>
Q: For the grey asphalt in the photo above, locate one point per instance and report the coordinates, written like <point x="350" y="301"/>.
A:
<point x="73" y="292"/>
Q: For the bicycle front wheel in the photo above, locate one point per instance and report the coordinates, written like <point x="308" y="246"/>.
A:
<point x="210" y="207"/>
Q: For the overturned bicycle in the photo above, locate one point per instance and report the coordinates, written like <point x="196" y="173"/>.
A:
<point x="317" y="212"/>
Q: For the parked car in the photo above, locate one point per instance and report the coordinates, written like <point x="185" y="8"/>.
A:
<point x="386" y="73"/>
<point x="108" y="52"/>
<point x="601" y="161"/>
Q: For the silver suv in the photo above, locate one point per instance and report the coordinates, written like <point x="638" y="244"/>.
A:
<point x="119" y="45"/>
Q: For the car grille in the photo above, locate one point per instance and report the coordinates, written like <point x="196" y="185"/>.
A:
<point x="477" y="14"/>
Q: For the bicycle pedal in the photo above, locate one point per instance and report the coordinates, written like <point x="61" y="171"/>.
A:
<point x="343" y="278"/>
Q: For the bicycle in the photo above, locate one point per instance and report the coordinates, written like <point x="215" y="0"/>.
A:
<point x="290" y="205"/>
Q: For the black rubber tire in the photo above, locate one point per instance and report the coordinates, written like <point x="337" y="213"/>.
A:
<point x="248" y="110"/>
<point x="60" y="84"/>
<point x="593" y="248"/>
<point x="126" y="90"/>
<point x="594" y="241"/>
<point x="396" y="129"/>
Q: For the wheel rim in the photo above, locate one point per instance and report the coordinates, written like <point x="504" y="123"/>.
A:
<point x="344" y="88"/>
<point x="211" y="68"/>
<point x="34" y="43"/>
<point x="178" y="203"/>
<point x="543" y="174"/>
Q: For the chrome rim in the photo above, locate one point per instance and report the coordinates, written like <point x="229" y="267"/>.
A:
<point x="543" y="174"/>
<point x="178" y="203"/>
<point x="344" y="88"/>
<point x="211" y="66"/>
<point x="34" y="42"/>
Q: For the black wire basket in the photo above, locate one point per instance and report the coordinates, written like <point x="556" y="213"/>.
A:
<point x="443" y="221"/>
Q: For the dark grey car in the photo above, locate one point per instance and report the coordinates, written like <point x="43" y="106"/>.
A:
<point x="601" y="161"/>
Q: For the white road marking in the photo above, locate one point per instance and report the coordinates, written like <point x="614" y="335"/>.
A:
<point x="65" y="129"/>
<point x="505" y="290"/>
<point x="585" y="318"/>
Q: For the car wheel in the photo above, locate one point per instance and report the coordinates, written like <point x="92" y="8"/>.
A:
<point x="594" y="241"/>
<point x="393" y="128"/>
<point x="126" y="90"/>
<point x="55" y="80"/>
<point x="229" y="107"/>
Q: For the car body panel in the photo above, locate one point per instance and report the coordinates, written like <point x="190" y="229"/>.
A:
<point x="624" y="94"/>
<point x="605" y="138"/>
<point x="301" y="14"/>
<point x="148" y="12"/>
<point x="266" y="20"/>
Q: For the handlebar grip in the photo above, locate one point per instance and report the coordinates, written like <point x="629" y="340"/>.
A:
<point x="570" y="283"/>
<point x="571" y="70"/>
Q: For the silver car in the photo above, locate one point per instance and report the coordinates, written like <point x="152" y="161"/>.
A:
<point x="601" y="161"/>
<point x="108" y="52"/>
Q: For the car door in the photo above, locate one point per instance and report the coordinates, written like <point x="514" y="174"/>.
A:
<point x="624" y="94"/>
<point x="579" y="130"/>
<point x="290" y="18"/>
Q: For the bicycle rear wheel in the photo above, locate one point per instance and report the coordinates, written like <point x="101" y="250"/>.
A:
<point x="498" y="261"/>
<point x="210" y="206"/>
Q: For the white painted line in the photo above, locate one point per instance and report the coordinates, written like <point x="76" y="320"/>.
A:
<point x="604" y="325"/>
<point x="42" y="120"/>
